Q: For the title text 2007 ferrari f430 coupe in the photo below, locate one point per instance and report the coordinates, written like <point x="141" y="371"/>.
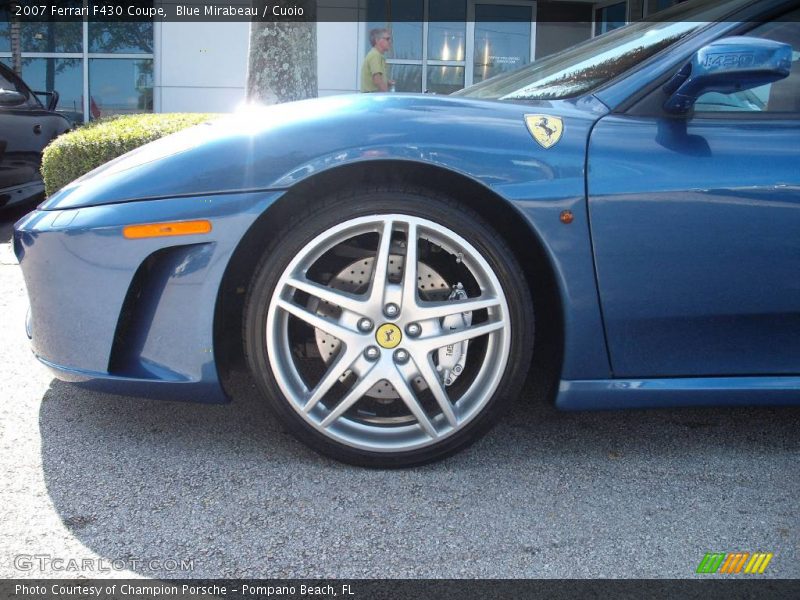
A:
<point x="388" y="263"/>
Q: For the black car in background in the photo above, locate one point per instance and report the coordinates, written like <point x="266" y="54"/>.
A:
<point x="26" y="127"/>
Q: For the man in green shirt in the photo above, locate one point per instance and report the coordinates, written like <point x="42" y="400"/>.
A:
<point x="374" y="71"/>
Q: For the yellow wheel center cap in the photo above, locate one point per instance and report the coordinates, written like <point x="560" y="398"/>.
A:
<point x="388" y="336"/>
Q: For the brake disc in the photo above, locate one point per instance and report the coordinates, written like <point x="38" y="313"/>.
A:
<point x="354" y="279"/>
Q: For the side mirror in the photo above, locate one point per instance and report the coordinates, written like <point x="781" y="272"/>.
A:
<point x="728" y="65"/>
<point x="11" y="98"/>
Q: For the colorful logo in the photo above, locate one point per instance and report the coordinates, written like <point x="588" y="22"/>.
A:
<point x="735" y="562"/>
<point x="388" y="335"/>
<point x="545" y="129"/>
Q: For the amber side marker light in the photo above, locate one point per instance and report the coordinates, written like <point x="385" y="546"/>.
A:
<point x="566" y="217"/>
<point x="150" y="230"/>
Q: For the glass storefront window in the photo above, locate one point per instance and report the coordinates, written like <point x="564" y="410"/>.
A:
<point x="447" y="41"/>
<point x="404" y="18"/>
<point x="445" y="79"/>
<point x="408" y="78"/>
<point x="51" y="37"/>
<point x="502" y="39"/>
<point x="111" y="73"/>
<point x="653" y="6"/>
<point x="127" y="38"/>
<point x="608" y="18"/>
<point x="64" y="75"/>
<point x="413" y="58"/>
<point x="406" y="39"/>
<point x="120" y="86"/>
<point x="447" y="30"/>
<point x="5" y="30"/>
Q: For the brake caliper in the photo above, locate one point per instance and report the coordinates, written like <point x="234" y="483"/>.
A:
<point x="452" y="358"/>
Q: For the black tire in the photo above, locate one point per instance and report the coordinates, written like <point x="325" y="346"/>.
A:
<point x="414" y="202"/>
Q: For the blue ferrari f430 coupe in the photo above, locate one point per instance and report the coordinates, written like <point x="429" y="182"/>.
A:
<point x="392" y="265"/>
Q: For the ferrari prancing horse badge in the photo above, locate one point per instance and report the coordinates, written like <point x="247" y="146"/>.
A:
<point x="544" y="129"/>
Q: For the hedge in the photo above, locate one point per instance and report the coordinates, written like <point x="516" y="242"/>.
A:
<point x="77" y="152"/>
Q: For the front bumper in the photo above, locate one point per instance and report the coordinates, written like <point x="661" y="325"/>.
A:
<point x="132" y="316"/>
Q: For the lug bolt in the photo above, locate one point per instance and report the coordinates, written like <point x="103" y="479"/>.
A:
<point x="401" y="356"/>
<point x="391" y="309"/>
<point x="372" y="353"/>
<point x="364" y="324"/>
<point x="413" y="329"/>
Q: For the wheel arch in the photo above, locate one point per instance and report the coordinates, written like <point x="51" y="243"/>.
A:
<point x="518" y="233"/>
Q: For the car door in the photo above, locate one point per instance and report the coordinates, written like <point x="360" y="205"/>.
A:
<point x="25" y="129"/>
<point x="695" y="224"/>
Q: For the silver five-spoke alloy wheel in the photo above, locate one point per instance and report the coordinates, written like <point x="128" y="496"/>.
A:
<point x="387" y="326"/>
<point x="389" y="383"/>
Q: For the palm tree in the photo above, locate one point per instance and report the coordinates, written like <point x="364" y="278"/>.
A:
<point x="282" y="63"/>
<point x="16" y="50"/>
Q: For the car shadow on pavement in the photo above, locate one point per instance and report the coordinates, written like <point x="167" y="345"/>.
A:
<point x="228" y="488"/>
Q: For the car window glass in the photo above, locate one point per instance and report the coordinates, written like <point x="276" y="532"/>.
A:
<point x="588" y="65"/>
<point x="780" y="96"/>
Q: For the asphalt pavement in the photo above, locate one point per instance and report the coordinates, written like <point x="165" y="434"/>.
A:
<point x="164" y="489"/>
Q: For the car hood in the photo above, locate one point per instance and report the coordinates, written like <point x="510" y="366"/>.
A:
<point x="272" y="148"/>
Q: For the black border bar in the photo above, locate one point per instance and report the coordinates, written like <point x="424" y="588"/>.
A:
<point x="391" y="589"/>
<point x="297" y="11"/>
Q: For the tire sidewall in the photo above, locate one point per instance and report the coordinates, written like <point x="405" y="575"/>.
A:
<point x="443" y="211"/>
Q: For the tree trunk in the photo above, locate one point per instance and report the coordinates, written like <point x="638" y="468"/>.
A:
<point x="282" y="63"/>
<point x="16" y="50"/>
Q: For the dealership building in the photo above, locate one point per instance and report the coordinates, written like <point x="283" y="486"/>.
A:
<point x="101" y="69"/>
